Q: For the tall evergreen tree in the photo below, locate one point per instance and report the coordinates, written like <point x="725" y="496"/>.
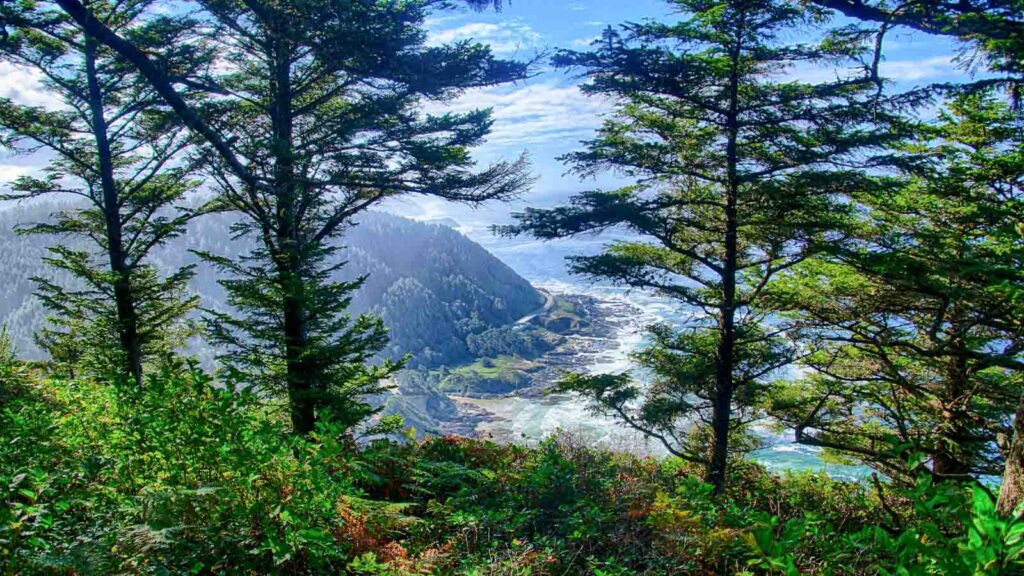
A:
<point x="920" y="345"/>
<point x="325" y="109"/>
<point x="993" y="33"/>
<point x="119" y="149"/>
<point x="737" y="170"/>
<point x="320" y="117"/>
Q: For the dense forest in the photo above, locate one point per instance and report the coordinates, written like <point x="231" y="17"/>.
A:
<point x="850" y="253"/>
<point x="432" y="287"/>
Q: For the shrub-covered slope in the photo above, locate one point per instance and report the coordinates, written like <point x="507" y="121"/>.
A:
<point x="189" y="479"/>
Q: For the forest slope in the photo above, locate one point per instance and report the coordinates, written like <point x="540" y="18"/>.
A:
<point x="432" y="286"/>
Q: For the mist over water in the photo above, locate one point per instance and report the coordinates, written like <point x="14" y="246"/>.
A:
<point x="529" y="420"/>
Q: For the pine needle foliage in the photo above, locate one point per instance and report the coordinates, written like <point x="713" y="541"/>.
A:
<point x="737" y="173"/>
<point x="327" y="106"/>
<point x="913" y="318"/>
<point x="118" y="152"/>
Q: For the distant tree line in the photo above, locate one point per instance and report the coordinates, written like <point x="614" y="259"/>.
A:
<point x="515" y="340"/>
<point x="431" y="286"/>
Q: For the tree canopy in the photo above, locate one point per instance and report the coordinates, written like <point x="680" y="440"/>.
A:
<point x="736" y="176"/>
<point x="118" y="149"/>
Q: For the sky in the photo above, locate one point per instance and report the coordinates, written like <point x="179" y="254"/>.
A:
<point x="546" y="116"/>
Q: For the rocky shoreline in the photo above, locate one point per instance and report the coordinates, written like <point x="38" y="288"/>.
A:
<point x="582" y="348"/>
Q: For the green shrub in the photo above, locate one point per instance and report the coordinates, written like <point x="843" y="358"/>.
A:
<point x="189" y="478"/>
<point x="181" y="478"/>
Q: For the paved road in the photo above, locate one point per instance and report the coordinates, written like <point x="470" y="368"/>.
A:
<point x="549" y="304"/>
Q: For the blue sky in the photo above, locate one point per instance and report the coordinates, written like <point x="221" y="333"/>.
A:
<point x="546" y="116"/>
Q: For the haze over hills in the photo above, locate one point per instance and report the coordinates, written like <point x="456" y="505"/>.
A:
<point x="432" y="286"/>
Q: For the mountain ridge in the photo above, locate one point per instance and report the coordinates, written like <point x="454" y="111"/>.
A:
<point x="432" y="286"/>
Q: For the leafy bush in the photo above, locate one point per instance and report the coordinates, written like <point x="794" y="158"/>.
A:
<point x="182" y="478"/>
<point x="187" y="478"/>
<point x="949" y="534"/>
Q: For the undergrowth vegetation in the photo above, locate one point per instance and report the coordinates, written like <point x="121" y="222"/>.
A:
<point x="187" y="478"/>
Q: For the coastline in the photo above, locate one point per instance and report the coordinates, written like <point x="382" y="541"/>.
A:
<point x="531" y="414"/>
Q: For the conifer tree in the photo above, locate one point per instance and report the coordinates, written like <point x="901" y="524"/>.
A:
<point x="736" y="173"/>
<point x="320" y="116"/>
<point x="993" y="35"/>
<point x="118" y="152"/>
<point x="920" y="342"/>
<point x="336" y="90"/>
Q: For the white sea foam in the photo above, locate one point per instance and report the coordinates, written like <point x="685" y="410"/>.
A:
<point x="530" y="420"/>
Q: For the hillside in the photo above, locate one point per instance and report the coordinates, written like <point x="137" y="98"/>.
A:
<point x="432" y="286"/>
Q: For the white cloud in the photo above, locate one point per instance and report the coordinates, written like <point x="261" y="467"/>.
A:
<point x="585" y="42"/>
<point x="503" y="38"/>
<point x="24" y="86"/>
<point x="11" y="172"/>
<point x="910" y="70"/>
<point x="815" y="74"/>
<point x="539" y="113"/>
<point x="896" y="70"/>
<point x="433" y="22"/>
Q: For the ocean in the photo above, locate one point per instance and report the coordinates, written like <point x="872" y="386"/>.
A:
<point x="529" y="420"/>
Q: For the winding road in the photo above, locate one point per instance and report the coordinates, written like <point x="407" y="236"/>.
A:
<point x="549" y="304"/>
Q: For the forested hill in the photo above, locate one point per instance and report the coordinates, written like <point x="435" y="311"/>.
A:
<point x="432" y="285"/>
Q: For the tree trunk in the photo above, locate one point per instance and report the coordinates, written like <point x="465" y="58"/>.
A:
<point x="288" y="253"/>
<point x="300" y="379"/>
<point x="721" y="415"/>
<point x="948" y="460"/>
<point x="1012" y="492"/>
<point x="722" y="407"/>
<point x="124" y="300"/>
